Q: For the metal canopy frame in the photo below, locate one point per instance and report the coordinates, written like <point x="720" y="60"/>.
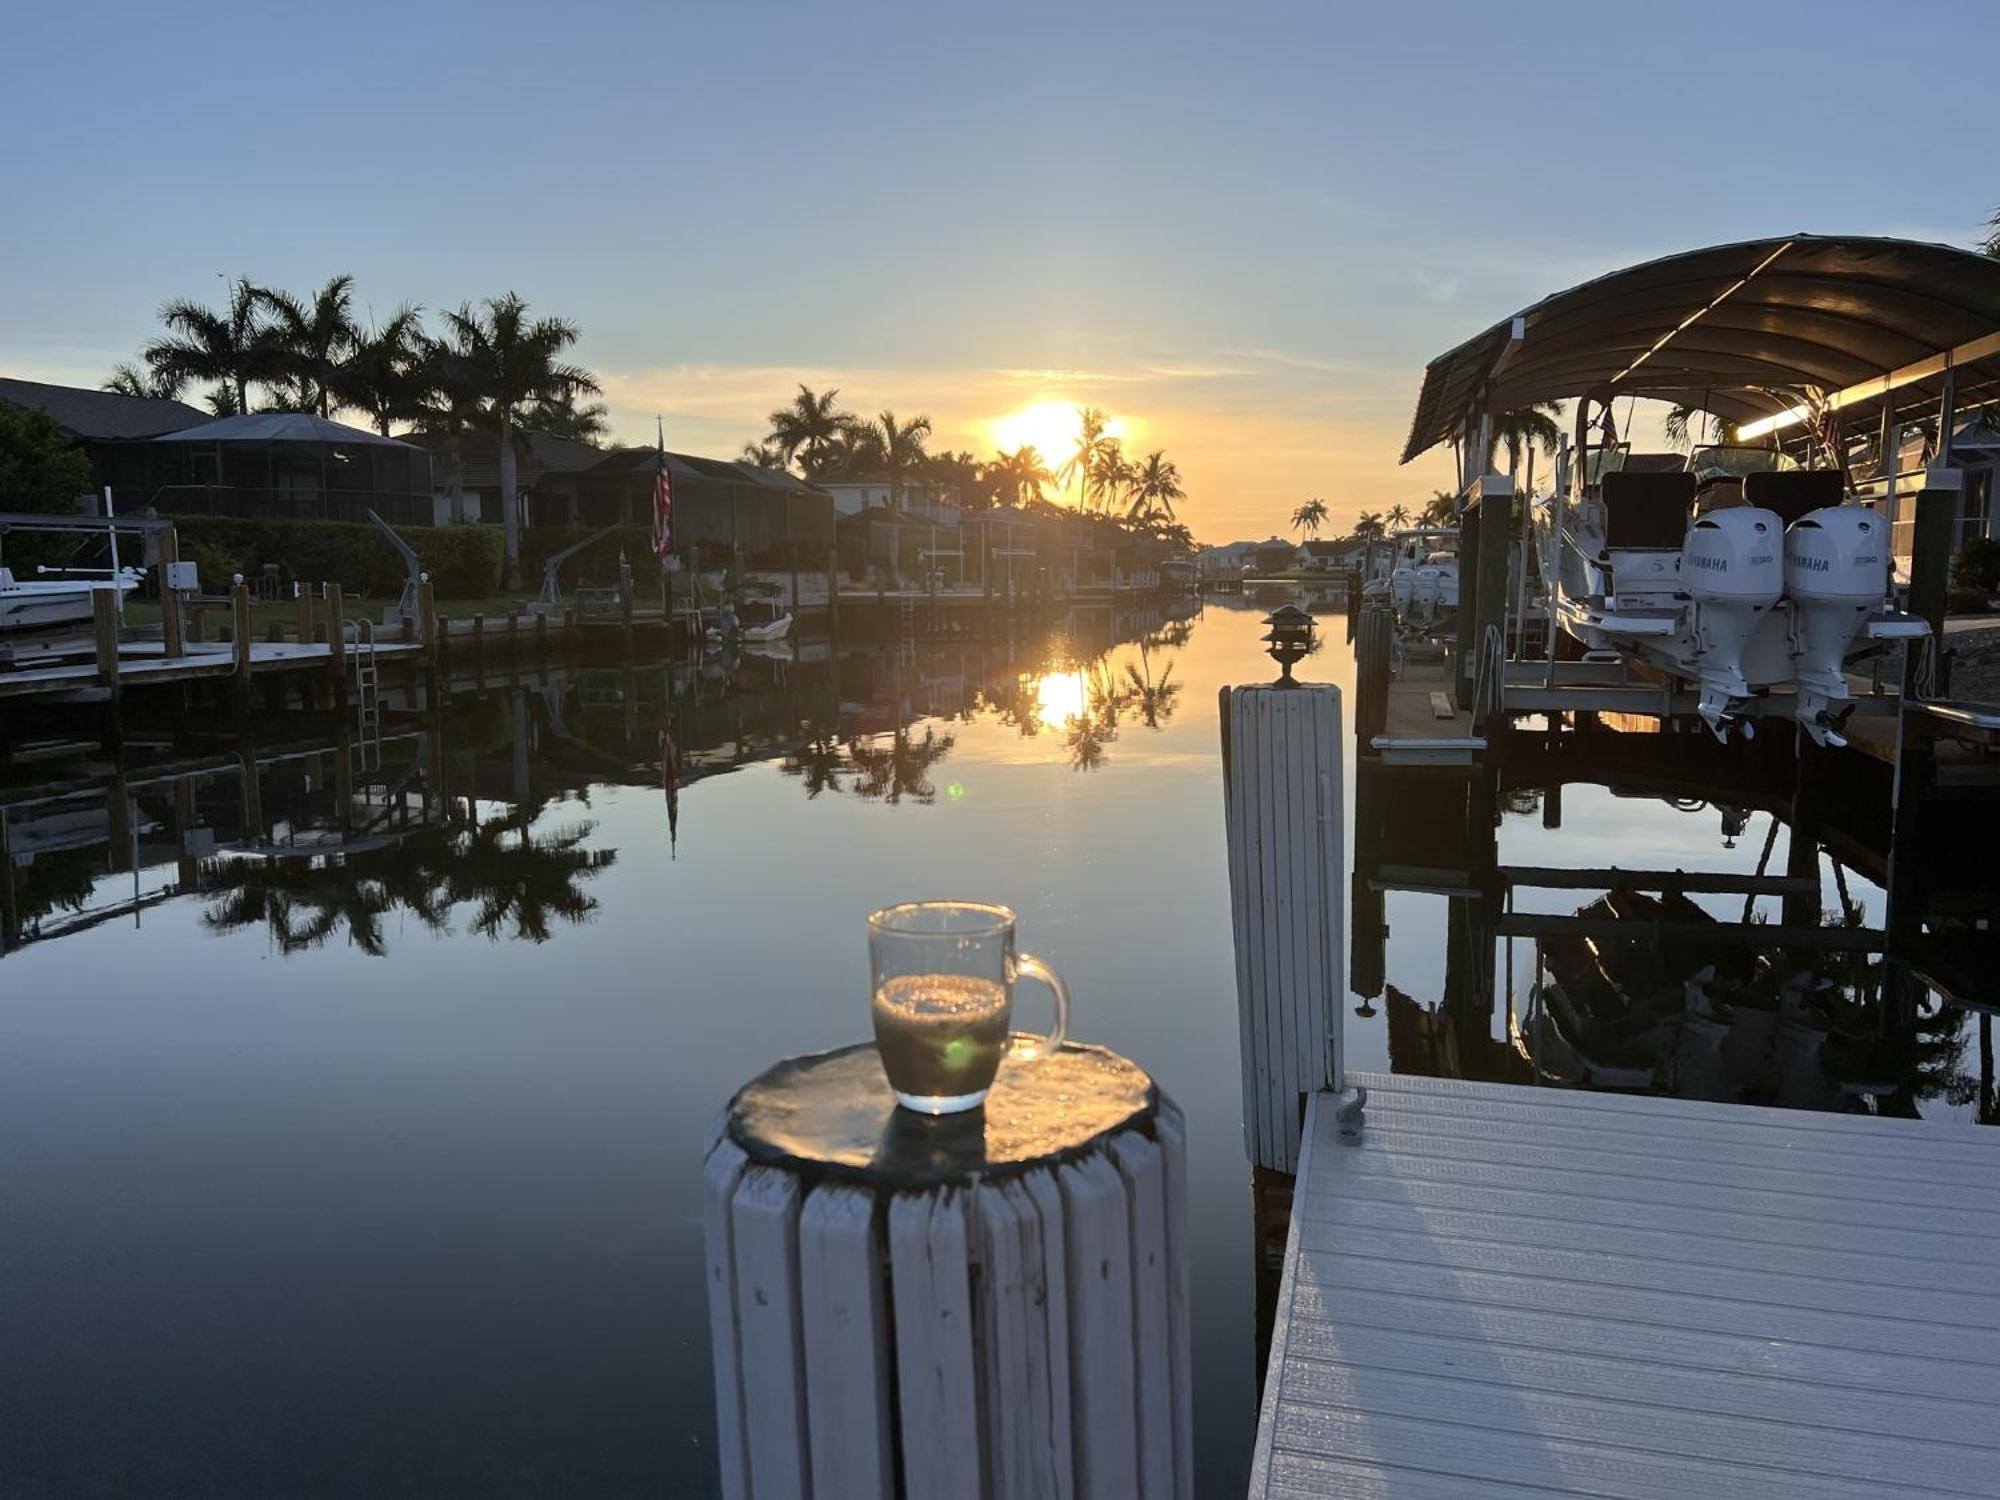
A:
<point x="1758" y="330"/>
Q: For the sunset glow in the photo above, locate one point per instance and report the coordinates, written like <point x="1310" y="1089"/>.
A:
<point x="1060" y="698"/>
<point x="1048" y="426"/>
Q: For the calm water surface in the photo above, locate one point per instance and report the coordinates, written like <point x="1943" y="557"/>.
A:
<point x="379" y="1175"/>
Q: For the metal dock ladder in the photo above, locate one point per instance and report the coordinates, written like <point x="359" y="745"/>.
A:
<point x="367" y="695"/>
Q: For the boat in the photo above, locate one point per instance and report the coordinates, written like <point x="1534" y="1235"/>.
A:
<point x="753" y="621"/>
<point x="37" y="604"/>
<point x="1765" y="559"/>
<point x="1734" y="569"/>
<point x="1422" y="584"/>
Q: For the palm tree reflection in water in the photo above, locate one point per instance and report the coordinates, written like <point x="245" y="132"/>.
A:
<point x="900" y="769"/>
<point x="517" y="882"/>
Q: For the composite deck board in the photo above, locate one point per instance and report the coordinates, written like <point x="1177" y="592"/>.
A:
<point x="1510" y="1292"/>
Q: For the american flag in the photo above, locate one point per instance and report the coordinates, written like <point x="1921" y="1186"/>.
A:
<point x="663" y="504"/>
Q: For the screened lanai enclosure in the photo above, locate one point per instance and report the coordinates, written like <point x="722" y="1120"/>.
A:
<point x="290" y="466"/>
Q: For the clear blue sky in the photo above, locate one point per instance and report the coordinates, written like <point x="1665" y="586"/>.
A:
<point x="1243" y="227"/>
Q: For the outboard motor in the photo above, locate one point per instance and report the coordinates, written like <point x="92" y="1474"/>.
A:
<point x="1426" y="593"/>
<point x="1401" y="582"/>
<point x="1733" y="570"/>
<point x="1836" y="573"/>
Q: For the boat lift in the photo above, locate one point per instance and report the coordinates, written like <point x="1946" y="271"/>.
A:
<point x="550" y="600"/>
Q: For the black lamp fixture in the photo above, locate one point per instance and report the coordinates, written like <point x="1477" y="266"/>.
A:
<point x="1288" y="640"/>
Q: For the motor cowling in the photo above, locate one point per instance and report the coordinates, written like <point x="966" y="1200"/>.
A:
<point x="1733" y="569"/>
<point x="1838" y="555"/>
<point x="1735" y="557"/>
<point x="1836" y="572"/>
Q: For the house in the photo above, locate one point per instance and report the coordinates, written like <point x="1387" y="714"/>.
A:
<point x="762" y="518"/>
<point x="289" y="465"/>
<point x="1328" y="557"/>
<point x="112" y="430"/>
<point x="852" y="496"/>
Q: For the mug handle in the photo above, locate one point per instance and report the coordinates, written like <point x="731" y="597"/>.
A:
<point x="1035" y="1048"/>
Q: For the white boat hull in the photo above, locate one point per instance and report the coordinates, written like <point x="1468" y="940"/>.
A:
<point x="44" y="604"/>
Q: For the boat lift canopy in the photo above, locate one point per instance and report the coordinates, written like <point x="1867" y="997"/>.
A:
<point x="1759" y="333"/>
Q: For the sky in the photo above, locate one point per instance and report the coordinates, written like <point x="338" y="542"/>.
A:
<point x="1242" y="229"/>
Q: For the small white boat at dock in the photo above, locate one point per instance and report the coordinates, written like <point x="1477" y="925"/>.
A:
<point x="40" y="603"/>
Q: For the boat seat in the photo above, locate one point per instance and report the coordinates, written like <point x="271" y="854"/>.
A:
<point x="1792" y="493"/>
<point x="1648" y="510"/>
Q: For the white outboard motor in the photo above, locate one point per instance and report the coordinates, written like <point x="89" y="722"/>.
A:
<point x="1732" y="568"/>
<point x="1401" y="583"/>
<point x="1426" y="591"/>
<point x="1836" y="573"/>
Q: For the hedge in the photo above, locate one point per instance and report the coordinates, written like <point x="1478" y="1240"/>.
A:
<point x="597" y="563"/>
<point x="463" y="561"/>
<point x="1978" y="566"/>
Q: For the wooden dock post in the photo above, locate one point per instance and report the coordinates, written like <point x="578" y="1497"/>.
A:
<point x="1496" y="547"/>
<point x="104" y="624"/>
<point x="336" y="627"/>
<point x="240" y="643"/>
<point x="173" y="633"/>
<point x="1372" y="660"/>
<point x="986" y="1304"/>
<point x="302" y="605"/>
<point x="1930" y="565"/>
<point x="1282" y="763"/>
<point x="427" y="614"/>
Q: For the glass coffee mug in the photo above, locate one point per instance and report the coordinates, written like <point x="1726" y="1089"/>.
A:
<point x="944" y="975"/>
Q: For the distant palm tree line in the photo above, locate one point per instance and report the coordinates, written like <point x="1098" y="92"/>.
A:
<point x="490" y="365"/>
<point x="816" y="438"/>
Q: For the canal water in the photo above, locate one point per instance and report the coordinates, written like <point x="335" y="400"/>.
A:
<point x="353" y="1103"/>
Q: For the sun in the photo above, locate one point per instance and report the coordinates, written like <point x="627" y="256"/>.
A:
<point x="1049" y="427"/>
<point x="1060" y="698"/>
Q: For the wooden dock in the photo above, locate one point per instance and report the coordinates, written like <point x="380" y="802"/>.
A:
<point x="1515" y="1293"/>
<point x="1424" y="725"/>
<point x="143" y="665"/>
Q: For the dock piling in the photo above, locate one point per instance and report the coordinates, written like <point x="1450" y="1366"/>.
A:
<point x="240" y="643"/>
<point x="172" y="635"/>
<point x="104" y="623"/>
<point x="1282" y="765"/>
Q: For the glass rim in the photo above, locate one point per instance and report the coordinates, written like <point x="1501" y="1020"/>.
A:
<point x="998" y="919"/>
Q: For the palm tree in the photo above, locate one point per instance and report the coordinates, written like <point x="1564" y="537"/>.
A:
<point x="232" y="347"/>
<point x="1090" y="443"/>
<point x="810" y="430"/>
<point x="516" y="363"/>
<point x="1399" y="516"/>
<point x="1153" y="697"/>
<point x="447" y="403"/>
<point x="1369" y="526"/>
<point x="901" y="768"/>
<point x="1020" y="476"/>
<point x="383" y="373"/>
<point x="1526" y="427"/>
<point x="764" y="455"/>
<point x="312" y="340"/>
<point x="1310" y="517"/>
<point x="1156" y="485"/>
<point x="517" y="880"/>
<point x="900" y="447"/>
<point x="819" y="764"/>
<point x="560" y="416"/>
<point x="1441" y="508"/>
<point x="130" y="380"/>
<point x="1114" y="475"/>
<point x="1991" y="246"/>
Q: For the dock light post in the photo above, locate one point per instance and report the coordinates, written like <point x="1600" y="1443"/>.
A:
<point x="1288" y="640"/>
